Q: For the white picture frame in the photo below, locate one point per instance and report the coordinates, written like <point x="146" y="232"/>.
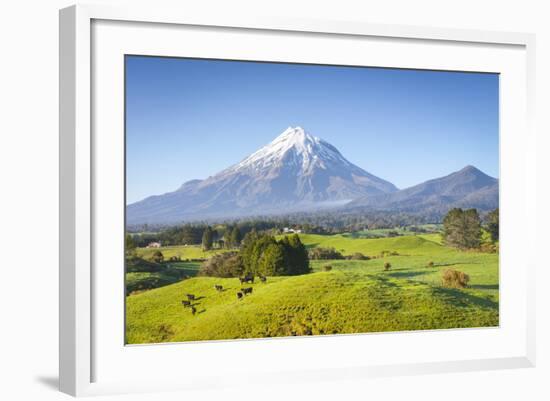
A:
<point x="82" y="344"/>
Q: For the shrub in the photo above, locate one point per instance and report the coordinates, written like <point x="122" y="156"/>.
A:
<point x="228" y="264"/>
<point x="157" y="257"/>
<point x="488" y="248"/>
<point x="327" y="268"/>
<point x="387" y="266"/>
<point x="430" y="263"/>
<point x="359" y="256"/>
<point x="388" y="253"/>
<point x="454" y="279"/>
<point x="320" y="253"/>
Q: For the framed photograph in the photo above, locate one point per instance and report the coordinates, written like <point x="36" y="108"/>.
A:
<point x="277" y="198"/>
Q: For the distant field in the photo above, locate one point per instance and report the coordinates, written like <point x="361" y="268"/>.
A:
<point x="355" y="296"/>
<point x="183" y="251"/>
<point x="385" y="232"/>
<point x="424" y="244"/>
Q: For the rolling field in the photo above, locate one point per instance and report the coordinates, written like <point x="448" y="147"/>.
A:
<point x="355" y="296"/>
<point x="139" y="281"/>
<point x="184" y="252"/>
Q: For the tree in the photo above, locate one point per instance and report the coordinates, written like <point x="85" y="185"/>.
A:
<point x="297" y="259"/>
<point x="472" y="224"/>
<point x="129" y="246"/>
<point x="235" y="237"/>
<point x="493" y="224"/>
<point x="272" y="261"/>
<point x="207" y="238"/>
<point x="462" y="228"/>
<point x="263" y="254"/>
<point x="253" y="246"/>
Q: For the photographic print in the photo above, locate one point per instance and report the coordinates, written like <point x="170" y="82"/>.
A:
<point x="270" y="199"/>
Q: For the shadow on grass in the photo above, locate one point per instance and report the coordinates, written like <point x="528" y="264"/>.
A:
<point x="407" y="274"/>
<point x="484" y="286"/>
<point x="383" y="281"/>
<point x="462" y="299"/>
<point x="455" y="264"/>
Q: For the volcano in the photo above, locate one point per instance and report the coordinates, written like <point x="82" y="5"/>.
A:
<point x="296" y="171"/>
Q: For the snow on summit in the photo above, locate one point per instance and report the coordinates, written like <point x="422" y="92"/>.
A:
<point x="293" y="145"/>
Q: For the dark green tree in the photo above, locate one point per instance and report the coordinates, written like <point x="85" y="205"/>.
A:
<point x="493" y="224"/>
<point x="272" y="260"/>
<point x="297" y="260"/>
<point x="207" y="238"/>
<point x="235" y="237"/>
<point x="462" y="228"/>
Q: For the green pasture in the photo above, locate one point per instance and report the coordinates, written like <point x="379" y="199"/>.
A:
<point x="181" y="251"/>
<point x="354" y="297"/>
<point x="174" y="272"/>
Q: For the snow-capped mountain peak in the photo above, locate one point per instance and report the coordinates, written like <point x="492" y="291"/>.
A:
<point x="294" y="145"/>
<point x="295" y="171"/>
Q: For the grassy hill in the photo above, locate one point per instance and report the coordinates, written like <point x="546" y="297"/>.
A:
<point x="182" y="251"/>
<point x="356" y="296"/>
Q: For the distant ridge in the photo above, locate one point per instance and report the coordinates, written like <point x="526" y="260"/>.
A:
<point x="467" y="188"/>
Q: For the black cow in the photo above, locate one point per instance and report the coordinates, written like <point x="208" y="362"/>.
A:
<point x="218" y="287"/>
<point x="247" y="290"/>
<point x="263" y="279"/>
<point x="193" y="310"/>
<point x="190" y="297"/>
<point x="186" y="304"/>
<point x="239" y="295"/>
<point x="247" y="279"/>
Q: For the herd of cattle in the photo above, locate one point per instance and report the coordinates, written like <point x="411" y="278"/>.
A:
<point x="240" y="294"/>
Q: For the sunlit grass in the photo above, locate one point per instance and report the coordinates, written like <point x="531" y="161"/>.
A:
<point x="354" y="297"/>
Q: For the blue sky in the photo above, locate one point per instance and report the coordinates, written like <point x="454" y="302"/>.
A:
<point x="189" y="118"/>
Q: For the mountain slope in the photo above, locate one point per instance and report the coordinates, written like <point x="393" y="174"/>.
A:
<point x="296" y="171"/>
<point x="468" y="187"/>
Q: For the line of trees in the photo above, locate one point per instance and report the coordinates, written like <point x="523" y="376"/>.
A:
<point x="326" y="222"/>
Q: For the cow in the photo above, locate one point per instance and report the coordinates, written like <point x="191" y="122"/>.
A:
<point x="193" y="310"/>
<point x="190" y="297"/>
<point x="239" y="295"/>
<point x="218" y="287"/>
<point x="263" y="279"/>
<point x="247" y="279"/>
<point x="247" y="290"/>
<point x="186" y="304"/>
